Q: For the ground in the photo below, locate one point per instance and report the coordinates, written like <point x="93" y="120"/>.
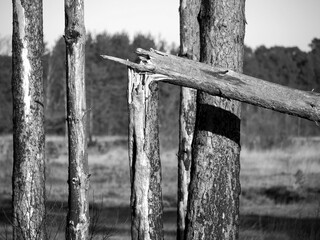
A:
<point x="280" y="190"/>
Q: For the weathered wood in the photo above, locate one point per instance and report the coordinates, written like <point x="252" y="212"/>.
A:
<point x="213" y="206"/>
<point x="78" y="177"/>
<point x="144" y="158"/>
<point x="190" y="48"/>
<point x="28" y="181"/>
<point x="226" y="83"/>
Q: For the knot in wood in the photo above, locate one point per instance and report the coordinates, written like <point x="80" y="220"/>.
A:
<point x="72" y="36"/>
<point x="76" y="181"/>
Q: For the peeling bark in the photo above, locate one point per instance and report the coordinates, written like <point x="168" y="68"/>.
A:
<point x="144" y="157"/>
<point x="213" y="210"/>
<point x="78" y="178"/>
<point x="28" y="181"/>
<point x="190" y="48"/>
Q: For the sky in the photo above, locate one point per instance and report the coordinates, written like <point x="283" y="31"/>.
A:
<point x="270" y="22"/>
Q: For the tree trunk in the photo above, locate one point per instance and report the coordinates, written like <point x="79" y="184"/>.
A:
<point x="190" y="48"/>
<point x="144" y="156"/>
<point x="213" y="211"/>
<point x="28" y="180"/>
<point x="78" y="179"/>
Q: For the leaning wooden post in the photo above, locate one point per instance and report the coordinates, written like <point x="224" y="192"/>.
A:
<point x="28" y="181"/>
<point x="190" y="48"/>
<point x="144" y="157"/>
<point x="78" y="179"/>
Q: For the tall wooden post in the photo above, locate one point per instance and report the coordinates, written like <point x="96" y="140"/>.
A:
<point x="213" y="211"/>
<point x="190" y="48"/>
<point x="144" y="156"/>
<point x="28" y="181"/>
<point x="78" y="179"/>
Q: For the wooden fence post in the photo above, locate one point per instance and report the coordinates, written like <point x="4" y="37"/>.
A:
<point x="144" y="157"/>
<point x="190" y="48"/>
<point x="28" y="180"/>
<point x="213" y="210"/>
<point x="78" y="177"/>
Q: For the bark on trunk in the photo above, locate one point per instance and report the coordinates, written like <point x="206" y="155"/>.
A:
<point x="190" y="48"/>
<point x="144" y="156"/>
<point x="28" y="179"/>
<point x="213" y="211"/>
<point x="78" y="179"/>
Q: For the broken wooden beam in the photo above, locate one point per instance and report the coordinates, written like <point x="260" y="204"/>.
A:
<point x="226" y="83"/>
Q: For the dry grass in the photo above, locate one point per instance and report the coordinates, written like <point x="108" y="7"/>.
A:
<point x="294" y="169"/>
<point x="281" y="167"/>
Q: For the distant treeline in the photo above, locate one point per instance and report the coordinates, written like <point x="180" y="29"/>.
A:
<point x="107" y="87"/>
<point x="287" y="66"/>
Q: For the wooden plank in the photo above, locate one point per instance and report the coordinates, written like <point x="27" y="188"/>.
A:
<point x="226" y="83"/>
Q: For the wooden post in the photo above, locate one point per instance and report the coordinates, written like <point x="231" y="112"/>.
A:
<point x="213" y="210"/>
<point x="144" y="157"/>
<point x="190" y="48"/>
<point x="28" y="181"/>
<point x="78" y="178"/>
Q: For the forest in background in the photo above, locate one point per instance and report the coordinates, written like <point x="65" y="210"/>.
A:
<point x="107" y="86"/>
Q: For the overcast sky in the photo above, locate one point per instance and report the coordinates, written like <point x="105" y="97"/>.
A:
<point x="270" y="22"/>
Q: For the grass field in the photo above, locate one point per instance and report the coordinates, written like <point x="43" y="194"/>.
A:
<point x="280" y="190"/>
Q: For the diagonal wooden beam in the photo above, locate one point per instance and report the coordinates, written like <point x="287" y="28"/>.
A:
<point x="226" y="83"/>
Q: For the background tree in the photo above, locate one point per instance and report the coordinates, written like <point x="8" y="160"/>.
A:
<point x="55" y="97"/>
<point x="213" y="211"/>
<point x="315" y="58"/>
<point x="90" y="83"/>
<point x="78" y="175"/>
<point x="189" y="47"/>
<point x="5" y="95"/>
<point x="28" y="121"/>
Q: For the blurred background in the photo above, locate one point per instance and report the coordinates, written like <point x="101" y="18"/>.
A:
<point x="107" y="84"/>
